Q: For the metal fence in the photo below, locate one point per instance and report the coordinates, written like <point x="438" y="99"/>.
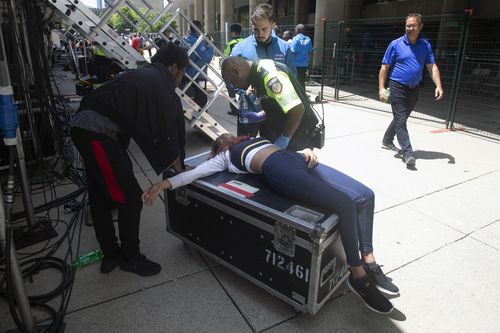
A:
<point x="466" y="49"/>
<point x="478" y="87"/>
<point x="359" y="48"/>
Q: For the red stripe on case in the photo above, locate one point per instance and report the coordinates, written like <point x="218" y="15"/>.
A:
<point x="237" y="190"/>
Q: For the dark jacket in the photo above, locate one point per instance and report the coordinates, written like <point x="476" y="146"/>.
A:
<point x="144" y="104"/>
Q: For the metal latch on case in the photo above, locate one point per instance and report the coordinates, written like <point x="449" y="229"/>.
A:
<point x="181" y="196"/>
<point x="284" y="238"/>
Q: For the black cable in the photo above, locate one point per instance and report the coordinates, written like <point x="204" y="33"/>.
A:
<point x="47" y="262"/>
<point x="54" y="124"/>
<point x="11" y="300"/>
<point x="44" y="263"/>
<point x="61" y="201"/>
<point x="49" y="244"/>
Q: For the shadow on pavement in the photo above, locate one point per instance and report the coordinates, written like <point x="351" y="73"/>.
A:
<point x="433" y="155"/>
<point x="397" y="315"/>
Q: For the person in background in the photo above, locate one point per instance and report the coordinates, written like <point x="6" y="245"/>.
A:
<point x="283" y="107"/>
<point x="235" y="39"/>
<point x="300" y="177"/>
<point x="235" y="31"/>
<point x="136" y="42"/>
<point x="140" y="104"/>
<point x="403" y="62"/>
<point x="288" y="36"/>
<point x="202" y="56"/>
<point x="101" y="67"/>
<point x="263" y="43"/>
<point x="301" y="47"/>
<point x="148" y="46"/>
<point x="160" y="41"/>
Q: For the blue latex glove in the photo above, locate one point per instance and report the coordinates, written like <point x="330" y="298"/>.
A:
<point x="282" y="141"/>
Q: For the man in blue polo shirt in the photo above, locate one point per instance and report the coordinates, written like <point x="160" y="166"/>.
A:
<point x="301" y="48"/>
<point x="403" y="63"/>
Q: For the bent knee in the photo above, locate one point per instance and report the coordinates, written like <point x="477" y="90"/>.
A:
<point x="365" y="195"/>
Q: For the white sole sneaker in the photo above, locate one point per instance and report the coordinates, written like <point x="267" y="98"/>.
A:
<point x="388" y="292"/>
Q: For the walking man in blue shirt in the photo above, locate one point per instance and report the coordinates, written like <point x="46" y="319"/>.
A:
<point x="403" y="63"/>
<point x="301" y="49"/>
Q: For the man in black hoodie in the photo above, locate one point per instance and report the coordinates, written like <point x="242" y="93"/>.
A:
<point x="140" y="104"/>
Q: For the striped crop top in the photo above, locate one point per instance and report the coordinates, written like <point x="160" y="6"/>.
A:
<point x="241" y="154"/>
<point x="235" y="161"/>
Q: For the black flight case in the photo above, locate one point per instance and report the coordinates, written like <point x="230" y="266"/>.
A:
<point x="290" y="249"/>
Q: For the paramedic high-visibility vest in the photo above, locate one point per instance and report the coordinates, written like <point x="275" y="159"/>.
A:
<point x="98" y="52"/>
<point x="229" y="47"/>
<point x="272" y="83"/>
<point x="280" y="92"/>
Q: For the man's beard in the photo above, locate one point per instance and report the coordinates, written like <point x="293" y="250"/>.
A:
<point x="264" y="43"/>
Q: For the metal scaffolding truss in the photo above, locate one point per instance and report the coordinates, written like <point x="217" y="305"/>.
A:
<point x="95" y="28"/>
<point x="207" y="73"/>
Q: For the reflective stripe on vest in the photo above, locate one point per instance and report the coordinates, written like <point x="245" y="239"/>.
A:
<point x="284" y="93"/>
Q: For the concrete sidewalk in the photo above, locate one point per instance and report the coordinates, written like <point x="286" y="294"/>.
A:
<point x="437" y="233"/>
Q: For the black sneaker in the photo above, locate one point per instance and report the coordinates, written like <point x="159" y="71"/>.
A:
<point x="390" y="146"/>
<point x="383" y="283"/>
<point x="140" y="265"/>
<point x="409" y="160"/>
<point x="109" y="264"/>
<point x="370" y="295"/>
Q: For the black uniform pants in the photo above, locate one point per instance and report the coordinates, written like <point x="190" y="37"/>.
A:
<point x="110" y="184"/>
<point x="232" y="94"/>
<point x="198" y="95"/>
<point x="301" y="76"/>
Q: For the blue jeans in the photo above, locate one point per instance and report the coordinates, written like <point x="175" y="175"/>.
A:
<point x="403" y="100"/>
<point x="287" y="173"/>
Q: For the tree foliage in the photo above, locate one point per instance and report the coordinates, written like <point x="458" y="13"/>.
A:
<point x="128" y="18"/>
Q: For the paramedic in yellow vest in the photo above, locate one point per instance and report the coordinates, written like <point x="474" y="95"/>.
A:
<point x="235" y="39"/>
<point x="280" y="101"/>
<point x="100" y="65"/>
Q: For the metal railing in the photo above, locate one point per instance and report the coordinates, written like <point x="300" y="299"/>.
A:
<point x="466" y="50"/>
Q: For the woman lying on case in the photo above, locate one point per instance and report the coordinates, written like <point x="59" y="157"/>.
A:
<point x="300" y="176"/>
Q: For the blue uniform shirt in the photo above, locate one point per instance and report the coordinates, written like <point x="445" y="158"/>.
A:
<point x="301" y="48"/>
<point x="407" y="60"/>
<point x="277" y="50"/>
<point x="202" y="56"/>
